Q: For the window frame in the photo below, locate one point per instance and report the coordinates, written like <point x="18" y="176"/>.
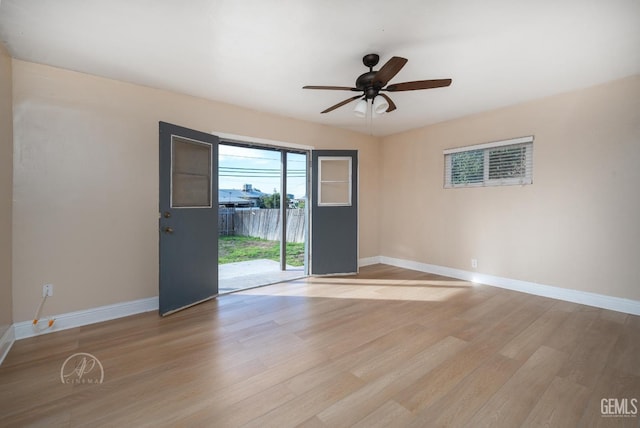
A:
<point x="180" y="139"/>
<point x="347" y="182"/>
<point x="487" y="148"/>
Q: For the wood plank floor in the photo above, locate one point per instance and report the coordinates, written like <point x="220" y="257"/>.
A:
<point x="389" y="347"/>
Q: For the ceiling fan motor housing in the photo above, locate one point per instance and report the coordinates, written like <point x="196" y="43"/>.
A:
<point x="365" y="83"/>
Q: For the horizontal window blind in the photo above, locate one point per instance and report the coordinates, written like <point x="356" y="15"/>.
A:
<point x="498" y="163"/>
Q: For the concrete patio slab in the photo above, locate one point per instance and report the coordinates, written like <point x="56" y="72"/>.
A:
<point x="254" y="273"/>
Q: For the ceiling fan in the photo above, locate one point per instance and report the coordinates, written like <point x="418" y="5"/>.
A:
<point x="372" y="83"/>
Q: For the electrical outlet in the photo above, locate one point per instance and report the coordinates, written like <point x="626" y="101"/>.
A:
<point x="474" y="263"/>
<point x="47" y="290"/>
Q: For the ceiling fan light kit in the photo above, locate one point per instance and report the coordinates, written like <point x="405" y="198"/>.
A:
<point x="373" y="82"/>
<point x="380" y="105"/>
<point x="361" y="108"/>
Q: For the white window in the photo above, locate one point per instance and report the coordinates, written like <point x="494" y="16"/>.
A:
<point x="500" y="163"/>
<point x="334" y="181"/>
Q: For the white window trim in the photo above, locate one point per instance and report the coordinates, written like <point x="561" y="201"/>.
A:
<point x="321" y="181"/>
<point x="512" y="141"/>
<point x="526" y="141"/>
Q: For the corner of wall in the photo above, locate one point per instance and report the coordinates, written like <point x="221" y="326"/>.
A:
<point x="6" y="201"/>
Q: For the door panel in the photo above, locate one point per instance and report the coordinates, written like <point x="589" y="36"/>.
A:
<point x="334" y="212"/>
<point x="188" y="223"/>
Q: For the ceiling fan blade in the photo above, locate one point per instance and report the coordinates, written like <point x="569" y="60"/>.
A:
<point x="334" y="88"/>
<point x="418" y="84"/>
<point x="392" y="105"/>
<point x="389" y="70"/>
<point x="340" y="104"/>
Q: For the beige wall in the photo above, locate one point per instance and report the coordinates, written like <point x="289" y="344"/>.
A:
<point x="86" y="182"/>
<point x="576" y="227"/>
<point x="6" y="188"/>
<point x="85" y="188"/>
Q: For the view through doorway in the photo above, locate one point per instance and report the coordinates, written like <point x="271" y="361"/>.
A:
<point x="262" y="235"/>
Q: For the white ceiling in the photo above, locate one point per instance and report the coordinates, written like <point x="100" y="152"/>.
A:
<point x="259" y="53"/>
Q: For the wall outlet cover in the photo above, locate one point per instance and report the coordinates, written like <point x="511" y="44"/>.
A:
<point x="47" y="290"/>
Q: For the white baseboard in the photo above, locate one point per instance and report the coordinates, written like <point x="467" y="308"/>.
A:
<point x="22" y="330"/>
<point x="6" y="342"/>
<point x="367" y="261"/>
<point x="88" y="316"/>
<point x="582" y="297"/>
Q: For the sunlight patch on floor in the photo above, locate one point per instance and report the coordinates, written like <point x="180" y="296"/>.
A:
<point x="370" y="289"/>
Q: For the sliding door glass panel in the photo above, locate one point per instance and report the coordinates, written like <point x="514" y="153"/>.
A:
<point x="296" y="210"/>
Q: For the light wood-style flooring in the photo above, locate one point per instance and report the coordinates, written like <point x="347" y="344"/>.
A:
<point x="387" y="348"/>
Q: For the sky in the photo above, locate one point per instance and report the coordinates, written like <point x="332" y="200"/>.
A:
<point x="260" y="168"/>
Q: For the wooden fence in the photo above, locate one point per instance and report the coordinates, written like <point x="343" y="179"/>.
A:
<point x="261" y="223"/>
